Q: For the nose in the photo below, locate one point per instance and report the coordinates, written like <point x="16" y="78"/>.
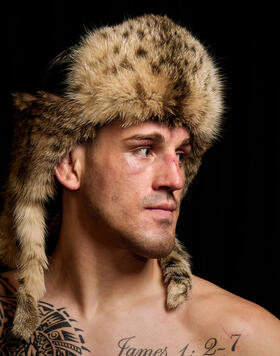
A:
<point x="168" y="174"/>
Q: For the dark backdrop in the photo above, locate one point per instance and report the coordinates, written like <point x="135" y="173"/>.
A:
<point x="229" y="219"/>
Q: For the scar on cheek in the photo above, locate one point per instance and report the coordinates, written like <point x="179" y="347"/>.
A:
<point x="133" y="166"/>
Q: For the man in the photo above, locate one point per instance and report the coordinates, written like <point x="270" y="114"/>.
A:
<point x="142" y="104"/>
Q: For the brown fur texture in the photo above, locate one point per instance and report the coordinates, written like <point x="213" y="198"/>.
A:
<point x="147" y="68"/>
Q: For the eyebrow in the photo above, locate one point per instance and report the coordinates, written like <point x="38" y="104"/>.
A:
<point x="149" y="137"/>
<point x="155" y="137"/>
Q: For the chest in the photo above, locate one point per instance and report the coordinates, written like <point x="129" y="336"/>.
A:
<point x="151" y="335"/>
<point x="156" y="344"/>
<point x="139" y="331"/>
<point x="145" y="335"/>
<point x="148" y="338"/>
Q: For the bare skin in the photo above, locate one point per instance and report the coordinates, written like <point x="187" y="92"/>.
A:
<point x="211" y="322"/>
<point x="120" y="208"/>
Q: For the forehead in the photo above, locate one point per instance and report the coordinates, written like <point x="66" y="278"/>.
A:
<point x="115" y="131"/>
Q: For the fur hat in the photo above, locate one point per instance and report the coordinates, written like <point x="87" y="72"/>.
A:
<point x="147" y="68"/>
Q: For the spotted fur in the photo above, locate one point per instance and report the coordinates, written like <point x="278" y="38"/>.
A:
<point x="147" y="68"/>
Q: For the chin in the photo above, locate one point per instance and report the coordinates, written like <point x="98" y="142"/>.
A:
<point x="154" y="247"/>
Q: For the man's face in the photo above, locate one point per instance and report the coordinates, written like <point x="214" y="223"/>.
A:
<point x="132" y="186"/>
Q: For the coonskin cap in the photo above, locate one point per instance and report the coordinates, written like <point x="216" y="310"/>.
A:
<point x="146" y="68"/>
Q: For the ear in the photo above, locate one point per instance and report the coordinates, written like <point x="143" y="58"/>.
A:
<point x="69" y="170"/>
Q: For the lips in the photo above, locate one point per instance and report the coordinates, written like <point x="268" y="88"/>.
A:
<point x="162" y="211"/>
<point x="164" y="206"/>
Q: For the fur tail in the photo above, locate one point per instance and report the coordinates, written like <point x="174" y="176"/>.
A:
<point x="30" y="231"/>
<point x="177" y="275"/>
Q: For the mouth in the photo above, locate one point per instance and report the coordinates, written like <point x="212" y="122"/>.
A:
<point x="163" y="211"/>
<point x="164" y="206"/>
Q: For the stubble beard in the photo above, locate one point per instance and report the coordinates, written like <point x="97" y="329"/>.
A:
<point x="152" y="244"/>
<point x="155" y="241"/>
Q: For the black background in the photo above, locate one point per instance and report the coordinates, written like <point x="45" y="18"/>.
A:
<point x="229" y="219"/>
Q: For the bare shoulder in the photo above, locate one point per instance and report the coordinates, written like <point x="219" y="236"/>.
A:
<point x="232" y="317"/>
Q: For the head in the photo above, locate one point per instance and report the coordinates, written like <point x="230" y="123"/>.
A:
<point x="126" y="186"/>
<point x="145" y="70"/>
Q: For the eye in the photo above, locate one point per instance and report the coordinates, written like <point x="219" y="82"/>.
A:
<point x="181" y="156"/>
<point x="144" y="151"/>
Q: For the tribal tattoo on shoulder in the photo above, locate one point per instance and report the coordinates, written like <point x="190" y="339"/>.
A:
<point x="57" y="335"/>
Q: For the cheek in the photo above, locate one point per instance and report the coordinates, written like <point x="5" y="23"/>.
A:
<point x="132" y="166"/>
<point x="127" y="181"/>
<point x="123" y="179"/>
<point x="137" y="175"/>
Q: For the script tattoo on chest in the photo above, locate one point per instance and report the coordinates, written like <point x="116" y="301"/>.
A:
<point x="56" y="335"/>
<point x="211" y="347"/>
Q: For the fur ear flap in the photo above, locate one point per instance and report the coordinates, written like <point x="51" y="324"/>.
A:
<point x="45" y="132"/>
<point x="23" y="100"/>
<point x="177" y="275"/>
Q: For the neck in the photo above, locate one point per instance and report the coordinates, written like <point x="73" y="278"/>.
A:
<point x="93" y="276"/>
